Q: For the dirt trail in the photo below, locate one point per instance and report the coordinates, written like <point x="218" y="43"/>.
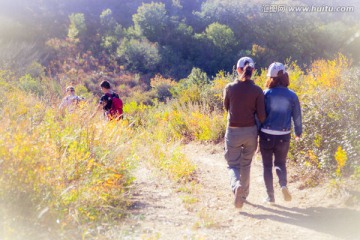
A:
<point x="159" y="211"/>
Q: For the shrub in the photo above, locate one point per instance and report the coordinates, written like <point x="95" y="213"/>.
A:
<point x="214" y="94"/>
<point x="330" y="112"/>
<point x="169" y="158"/>
<point x="30" y="84"/>
<point x="139" y="55"/>
<point x="74" y="167"/>
<point x="189" y="121"/>
<point x="193" y="88"/>
<point x="162" y="87"/>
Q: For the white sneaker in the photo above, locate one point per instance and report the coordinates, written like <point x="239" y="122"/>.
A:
<point x="269" y="200"/>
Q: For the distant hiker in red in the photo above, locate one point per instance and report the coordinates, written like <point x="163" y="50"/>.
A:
<point x="111" y="102"/>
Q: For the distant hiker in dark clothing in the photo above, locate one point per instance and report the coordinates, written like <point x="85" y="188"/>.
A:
<point x="282" y="105"/>
<point x="243" y="100"/>
<point x="111" y="102"/>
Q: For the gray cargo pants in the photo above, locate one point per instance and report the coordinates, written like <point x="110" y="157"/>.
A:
<point x="240" y="146"/>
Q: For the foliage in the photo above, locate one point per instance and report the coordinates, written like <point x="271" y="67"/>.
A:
<point x="356" y="173"/>
<point x="18" y="56"/>
<point x="189" y="121"/>
<point x="262" y="54"/>
<point x="74" y="169"/>
<point x="221" y="36"/>
<point x="77" y="26"/>
<point x="152" y="21"/>
<point x="162" y="87"/>
<point x="172" y="161"/>
<point x="191" y="88"/>
<point x="214" y="95"/>
<point x="327" y="74"/>
<point x="111" y="31"/>
<point x="29" y="84"/>
<point x="62" y="163"/>
<point x="328" y="94"/>
<point x="341" y="159"/>
<point x="139" y="55"/>
<point x="210" y="35"/>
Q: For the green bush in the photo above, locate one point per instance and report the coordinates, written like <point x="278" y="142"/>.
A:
<point x="330" y="119"/>
<point x="31" y="85"/>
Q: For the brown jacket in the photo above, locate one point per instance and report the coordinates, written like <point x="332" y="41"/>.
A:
<point x="242" y="100"/>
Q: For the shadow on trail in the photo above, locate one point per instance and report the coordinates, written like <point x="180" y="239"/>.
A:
<point x="340" y="222"/>
<point x="354" y="193"/>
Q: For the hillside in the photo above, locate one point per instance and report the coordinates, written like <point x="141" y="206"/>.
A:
<point x="172" y="37"/>
<point x="159" y="173"/>
<point x="69" y="173"/>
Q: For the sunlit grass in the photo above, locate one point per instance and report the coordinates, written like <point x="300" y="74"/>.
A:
<point x="67" y="168"/>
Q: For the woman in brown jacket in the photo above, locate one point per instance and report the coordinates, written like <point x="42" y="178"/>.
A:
<point x="244" y="101"/>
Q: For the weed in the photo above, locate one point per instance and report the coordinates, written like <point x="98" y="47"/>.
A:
<point x="206" y="220"/>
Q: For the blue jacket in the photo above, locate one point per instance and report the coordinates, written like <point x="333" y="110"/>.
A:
<point x="282" y="104"/>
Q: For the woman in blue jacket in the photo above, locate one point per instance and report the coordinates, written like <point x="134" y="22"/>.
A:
<point x="281" y="105"/>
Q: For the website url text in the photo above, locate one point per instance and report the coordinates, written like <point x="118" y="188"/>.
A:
<point x="276" y="8"/>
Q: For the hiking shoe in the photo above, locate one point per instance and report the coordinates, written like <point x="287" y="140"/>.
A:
<point x="270" y="200"/>
<point x="239" y="197"/>
<point x="286" y="193"/>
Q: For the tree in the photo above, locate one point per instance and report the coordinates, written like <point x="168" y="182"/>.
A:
<point x="198" y="77"/>
<point x="221" y="36"/>
<point x="152" y="21"/>
<point x="107" y="20"/>
<point x="77" y="26"/>
<point x="110" y="31"/>
<point x="216" y="49"/>
<point x="139" y="55"/>
<point x="230" y="12"/>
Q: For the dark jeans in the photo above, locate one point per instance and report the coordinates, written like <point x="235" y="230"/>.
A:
<point x="277" y="146"/>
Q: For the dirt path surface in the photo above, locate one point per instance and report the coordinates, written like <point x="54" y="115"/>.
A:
<point x="161" y="211"/>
